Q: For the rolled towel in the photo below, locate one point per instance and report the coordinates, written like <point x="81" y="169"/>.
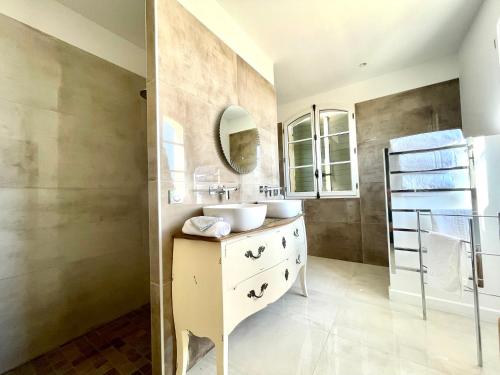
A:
<point x="217" y="230"/>
<point x="426" y="141"/>
<point x="204" y="222"/>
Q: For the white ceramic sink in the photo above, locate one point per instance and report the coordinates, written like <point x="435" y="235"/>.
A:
<point x="241" y="216"/>
<point x="283" y="208"/>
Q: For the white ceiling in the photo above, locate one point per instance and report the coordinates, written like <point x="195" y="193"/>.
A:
<point x="125" y="18"/>
<point x="317" y="45"/>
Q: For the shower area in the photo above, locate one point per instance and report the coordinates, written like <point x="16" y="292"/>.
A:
<point x="74" y="263"/>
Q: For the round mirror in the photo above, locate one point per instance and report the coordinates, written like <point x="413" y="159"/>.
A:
<point x="239" y="139"/>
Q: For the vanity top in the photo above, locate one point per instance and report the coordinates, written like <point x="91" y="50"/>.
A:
<point x="269" y="223"/>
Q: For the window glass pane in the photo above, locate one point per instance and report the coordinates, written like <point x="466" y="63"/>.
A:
<point x="302" y="180"/>
<point x="333" y="121"/>
<point x="336" y="177"/>
<point x="335" y="148"/>
<point x="300" y="129"/>
<point x="300" y="153"/>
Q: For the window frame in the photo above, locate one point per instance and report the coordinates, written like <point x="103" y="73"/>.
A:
<point x="314" y="112"/>
<point x="286" y="155"/>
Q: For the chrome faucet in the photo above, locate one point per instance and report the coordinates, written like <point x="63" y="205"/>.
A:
<point x="270" y="190"/>
<point x="222" y="190"/>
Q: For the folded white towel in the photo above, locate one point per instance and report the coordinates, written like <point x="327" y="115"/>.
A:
<point x="431" y="180"/>
<point x="430" y="160"/>
<point x="454" y="224"/>
<point x="426" y="181"/>
<point x="204" y="222"/>
<point x="217" y="230"/>
<point x="425" y="141"/>
<point x="446" y="262"/>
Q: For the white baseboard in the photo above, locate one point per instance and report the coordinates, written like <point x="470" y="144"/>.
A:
<point x="433" y="303"/>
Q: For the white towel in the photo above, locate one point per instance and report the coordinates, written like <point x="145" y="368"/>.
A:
<point x="204" y="222"/>
<point x="430" y="160"/>
<point x="425" y="141"/>
<point x="425" y="181"/>
<point x="217" y="230"/>
<point x="456" y="226"/>
<point x="431" y="180"/>
<point x="446" y="262"/>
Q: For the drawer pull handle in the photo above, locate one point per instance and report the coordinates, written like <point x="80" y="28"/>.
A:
<point x="286" y="274"/>
<point x="296" y="232"/>
<point x="283" y="242"/>
<point x="252" y="294"/>
<point x="249" y="253"/>
<point x="298" y="260"/>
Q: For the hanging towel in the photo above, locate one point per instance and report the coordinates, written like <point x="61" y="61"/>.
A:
<point x="452" y="222"/>
<point x="204" y="222"/>
<point x="426" y="161"/>
<point x="446" y="263"/>
<point x="430" y="140"/>
<point x="217" y="229"/>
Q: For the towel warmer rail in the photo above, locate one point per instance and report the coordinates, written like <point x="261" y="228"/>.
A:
<point x="475" y="253"/>
<point x="430" y="170"/>
<point x="476" y="277"/>
<point x="390" y="191"/>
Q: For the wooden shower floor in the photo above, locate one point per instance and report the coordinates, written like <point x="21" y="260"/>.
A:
<point x="120" y="347"/>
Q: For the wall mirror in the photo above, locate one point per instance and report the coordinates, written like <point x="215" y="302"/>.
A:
<point x="239" y="138"/>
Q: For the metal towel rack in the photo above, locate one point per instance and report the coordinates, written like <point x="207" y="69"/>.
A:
<point x="474" y="269"/>
<point x="475" y="255"/>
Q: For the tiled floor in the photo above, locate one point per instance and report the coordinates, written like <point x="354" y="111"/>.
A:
<point x="121" y="347"/>
<point x="348" y="326"/>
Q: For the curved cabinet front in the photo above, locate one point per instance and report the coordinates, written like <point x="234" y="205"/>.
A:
<point x="217" y="284"/>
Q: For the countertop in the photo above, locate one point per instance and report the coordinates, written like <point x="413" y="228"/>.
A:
<point x="269" y="223"/>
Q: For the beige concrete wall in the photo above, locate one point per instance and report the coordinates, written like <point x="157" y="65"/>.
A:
<point x="194" y="77"/>
<point x="333" y="228"/>
<point x="73" y="224"/>
<point x="429" y="108"/>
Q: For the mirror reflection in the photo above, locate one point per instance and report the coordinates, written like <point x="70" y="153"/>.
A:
<point x="239" y="138"/>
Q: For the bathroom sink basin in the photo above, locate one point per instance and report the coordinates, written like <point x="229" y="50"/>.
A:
<point x="241" y="216"/>
<point x="283" y="208"/>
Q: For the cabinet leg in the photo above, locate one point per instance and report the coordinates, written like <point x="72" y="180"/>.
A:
<point x="182" y="337"/>
<point x="303" y="281"/>
<point x="221" y="351"/>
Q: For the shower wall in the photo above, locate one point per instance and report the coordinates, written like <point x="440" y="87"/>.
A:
<point x="73" y="203"/>
<point x="425" y="109"/>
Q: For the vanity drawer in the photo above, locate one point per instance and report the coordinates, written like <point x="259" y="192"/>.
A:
<point x="255" y="294"/>
<point x="282" y="241"/>
<point x="300" y="257"/>
<point x="295" y="235"/>
<point x="250" y="256"/>
<point x="292" y="271"/>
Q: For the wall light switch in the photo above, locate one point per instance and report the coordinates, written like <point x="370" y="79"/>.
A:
<point x="175" y="197"/>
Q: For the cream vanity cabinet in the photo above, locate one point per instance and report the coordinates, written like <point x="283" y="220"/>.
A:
<point x="217" y="283"/>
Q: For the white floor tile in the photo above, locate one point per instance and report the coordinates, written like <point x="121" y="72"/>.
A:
<point x="348" y="326"/>
<point x="272" y="344"/>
